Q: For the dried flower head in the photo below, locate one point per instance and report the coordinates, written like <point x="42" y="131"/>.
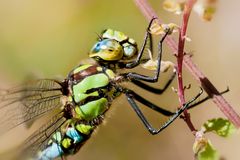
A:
<point x="157" y="29"/>
<point x="205" y="9"/>
<point x="175" y="6"/>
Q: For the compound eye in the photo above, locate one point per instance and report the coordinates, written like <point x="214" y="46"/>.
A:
<point x="96" y="48"/>
<point x="129" y="50"/>
<point x="108" y="50"/>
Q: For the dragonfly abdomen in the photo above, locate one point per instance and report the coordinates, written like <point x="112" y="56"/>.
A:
<point x="67" y="141"/>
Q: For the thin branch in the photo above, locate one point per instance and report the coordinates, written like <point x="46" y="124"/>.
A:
<point x="180" y="55"/>
<point x="211" y="90"/>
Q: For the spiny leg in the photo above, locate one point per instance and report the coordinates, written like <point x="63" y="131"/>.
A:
<point x="152" y="130"/>
<point x="205" y="99"/>
<point x="138" y="59"/>
<point x="136" y="62"/>
<point x="136" y="76"/>
<point x="147" y="103"/>
<point x="153" y="89"/>
<point x="162" y="110"/>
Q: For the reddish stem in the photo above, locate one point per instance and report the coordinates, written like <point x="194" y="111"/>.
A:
<point x="217" y="98"/>
<point x="180" y="55"/>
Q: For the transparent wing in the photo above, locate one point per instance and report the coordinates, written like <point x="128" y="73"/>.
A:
<point x="38" y="141"/>
<point x="23" y="103"/>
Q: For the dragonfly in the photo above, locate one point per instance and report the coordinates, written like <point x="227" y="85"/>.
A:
<point x="84" y="96"/>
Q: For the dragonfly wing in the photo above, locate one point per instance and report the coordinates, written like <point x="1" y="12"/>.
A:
<point x="39" y="140"/>
<point x="26" y="102"/>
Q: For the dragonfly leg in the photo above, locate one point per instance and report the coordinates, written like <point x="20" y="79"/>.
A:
<point x="145" y="102"/>
<point x="130" y="97"/>
<point x="154" y="89"/>
<point x="205" y="99"/>
<point x="148" y="36"/>
<point x="136" y="76"/>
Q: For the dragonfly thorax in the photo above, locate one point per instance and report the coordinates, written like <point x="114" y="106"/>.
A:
<point x="91" y="91"/>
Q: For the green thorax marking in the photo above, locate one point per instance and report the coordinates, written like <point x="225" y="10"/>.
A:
<point x="92" y="109"/>
<point x="90" y="82"/>
<point x="91" y="90"/>
<point x="82" y="67"/>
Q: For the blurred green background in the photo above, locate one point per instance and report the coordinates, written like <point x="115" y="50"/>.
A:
<point x="50" y="37"/>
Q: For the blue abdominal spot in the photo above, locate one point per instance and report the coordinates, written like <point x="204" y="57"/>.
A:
<point x="74" y="135"/>
<point x="51" y="152"/>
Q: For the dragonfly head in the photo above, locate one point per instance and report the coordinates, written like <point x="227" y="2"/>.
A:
<point x="107" y="50"/>
<point x="113" y="46"/>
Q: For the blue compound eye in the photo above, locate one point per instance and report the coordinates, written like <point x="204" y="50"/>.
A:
<point x="97" y="47"/>
<point x="107" y="49"/>
<point x="129" y="50"/>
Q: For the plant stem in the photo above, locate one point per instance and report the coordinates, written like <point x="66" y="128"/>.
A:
<point x="211" y="90"/>
<point x="180" y="55"/>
